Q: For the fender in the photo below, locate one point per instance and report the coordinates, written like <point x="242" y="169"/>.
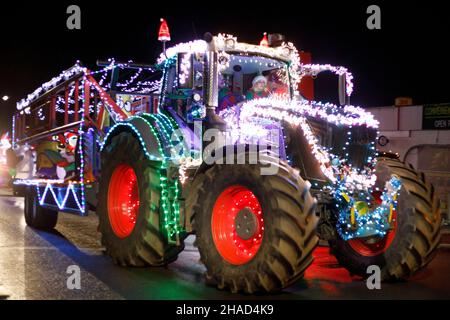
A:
<point x="299" y="152"/>
<point x="141" y="129"/>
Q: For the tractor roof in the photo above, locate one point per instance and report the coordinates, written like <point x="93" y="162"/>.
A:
<point x="227" y="43"/>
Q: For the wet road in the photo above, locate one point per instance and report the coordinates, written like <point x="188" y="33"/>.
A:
<point x="33" y="265"/>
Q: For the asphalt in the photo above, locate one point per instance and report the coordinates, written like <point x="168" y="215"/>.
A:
<point x="33" y="265"/>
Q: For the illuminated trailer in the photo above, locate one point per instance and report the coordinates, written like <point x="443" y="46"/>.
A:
<point x="60" y="126"/>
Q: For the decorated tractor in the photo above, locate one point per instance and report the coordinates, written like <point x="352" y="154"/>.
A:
<point x="216" y="140"/>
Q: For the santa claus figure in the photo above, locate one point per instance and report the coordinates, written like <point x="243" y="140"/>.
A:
<point x="65" y="169"/>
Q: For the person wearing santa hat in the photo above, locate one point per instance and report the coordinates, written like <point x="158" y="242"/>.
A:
<point x="276" y="84"/>
<point x="258" y="89"/>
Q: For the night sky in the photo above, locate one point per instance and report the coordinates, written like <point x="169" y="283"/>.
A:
<point x="408" y="57"/>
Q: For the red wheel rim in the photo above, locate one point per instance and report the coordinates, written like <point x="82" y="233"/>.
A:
<point x="369" y="249"/>
<point x="123" y="200"/>
<point x="233" y="202"/>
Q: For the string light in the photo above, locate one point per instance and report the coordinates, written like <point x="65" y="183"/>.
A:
<point x="340" y="116"/>
<point x="315" y="69"/>
<point x="81" y="169"/>
<point x="349" y="186"/>
<point x="295" y="112"/>
<point x="185" y="67"/>
<point x="65" y="75"/>
<point x="49" y="186"/>
<point x="367" y="222"/>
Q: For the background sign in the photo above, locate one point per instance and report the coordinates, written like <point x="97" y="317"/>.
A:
<point x="436" y="117"/>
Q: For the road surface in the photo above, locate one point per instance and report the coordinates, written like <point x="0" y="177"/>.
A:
<point x="33" y="265"/>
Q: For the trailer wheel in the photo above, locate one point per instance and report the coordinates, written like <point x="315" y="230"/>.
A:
<point x="129" y="206"/>
<point x="37" y="216"/>
<point x="254" y="232"/>
<point x="412" y="243"/>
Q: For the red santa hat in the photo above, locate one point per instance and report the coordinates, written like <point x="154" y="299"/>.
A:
<point x="259" y="78"/>
<point x="164" y="33"/>
<point x="264" y="41"/>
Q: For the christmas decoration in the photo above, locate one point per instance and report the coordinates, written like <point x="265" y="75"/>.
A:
<point x="138" y="137"/>
<point x="264" y="41"/>
<point x="163" y="34"/>
<point x="5" y="171"/>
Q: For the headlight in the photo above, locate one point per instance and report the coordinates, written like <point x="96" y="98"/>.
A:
<point x="196" y="97"/>
<point x="229" y="43"/>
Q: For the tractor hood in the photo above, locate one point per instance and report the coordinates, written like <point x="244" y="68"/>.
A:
<point x="340" y="139"/>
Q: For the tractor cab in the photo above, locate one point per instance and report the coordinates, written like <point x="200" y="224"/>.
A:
<point x="221" y="73"/>
<point x="251" y="77"/>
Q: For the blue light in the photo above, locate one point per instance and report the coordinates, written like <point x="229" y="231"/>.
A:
<point x="374" y="222"/>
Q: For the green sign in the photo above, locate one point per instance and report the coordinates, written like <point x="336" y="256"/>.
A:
<point x="436" y="117"/>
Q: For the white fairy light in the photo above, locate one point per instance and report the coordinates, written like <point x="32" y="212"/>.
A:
<point x="76" y="69"/>
<point x="315" y="69"/>
<point x="185" y="68"/>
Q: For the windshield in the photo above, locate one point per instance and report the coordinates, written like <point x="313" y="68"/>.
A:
<point x="252" y="77"/>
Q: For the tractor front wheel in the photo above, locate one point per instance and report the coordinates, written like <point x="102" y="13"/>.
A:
<point x="254" y="232"/>
<point x="411" y="243"/>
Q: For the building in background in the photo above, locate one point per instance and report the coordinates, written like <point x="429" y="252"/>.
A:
<point x="5" y="144"/>
<point x="421" y="136"/>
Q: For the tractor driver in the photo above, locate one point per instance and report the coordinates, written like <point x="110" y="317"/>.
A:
<point x="276" y="84"/>
<point x="258" y="89"/>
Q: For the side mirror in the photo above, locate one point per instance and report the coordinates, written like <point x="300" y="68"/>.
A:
<point x="342" y="89"/>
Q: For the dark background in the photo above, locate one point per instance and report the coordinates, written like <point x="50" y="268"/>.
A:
<point x="407" y="57"/>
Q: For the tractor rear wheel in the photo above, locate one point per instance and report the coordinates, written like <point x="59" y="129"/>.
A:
<point x="254" y="232"/>
<point x="129" y="212"/>
<point x="37" y="216"/>
<point x="412" y="242"/>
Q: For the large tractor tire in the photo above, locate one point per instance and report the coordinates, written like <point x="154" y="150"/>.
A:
<point x="412" y="242"/>
<point x="129" y="212"/>
<point x="37" y="216"/>
<point x="254" y="232"/>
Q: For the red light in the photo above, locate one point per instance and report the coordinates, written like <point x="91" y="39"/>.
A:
<point x="264" y="41"/>
<point x="164" y="33"/>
